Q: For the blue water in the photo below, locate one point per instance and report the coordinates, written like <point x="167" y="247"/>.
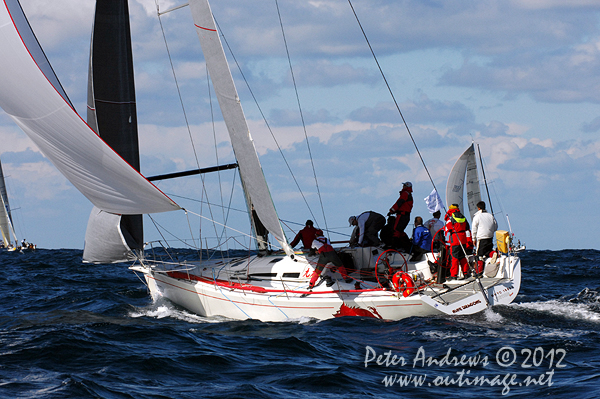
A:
<point x="69" y="330"/>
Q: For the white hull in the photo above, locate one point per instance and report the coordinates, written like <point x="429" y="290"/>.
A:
<point x="277" y="298"/>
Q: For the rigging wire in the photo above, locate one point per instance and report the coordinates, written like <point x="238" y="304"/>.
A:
<point x="176" y="83"/>
<point x="230" y="228"/>
<point x="485" y="180"/>
<point x="392" y="94"/>
<point x="264" y="118"/>
<point x="229" y="208"/>
<point x="204" y="190"/>
<point x="301" y="114"/>
<point x="212" y="118"/>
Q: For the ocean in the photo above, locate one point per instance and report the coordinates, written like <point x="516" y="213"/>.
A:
<point x="73" y="330"/>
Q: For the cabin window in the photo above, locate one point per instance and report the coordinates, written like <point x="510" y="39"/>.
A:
<point x="264" y="275"/>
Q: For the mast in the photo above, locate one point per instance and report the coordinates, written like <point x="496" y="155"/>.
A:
<point x="485" y="180"/>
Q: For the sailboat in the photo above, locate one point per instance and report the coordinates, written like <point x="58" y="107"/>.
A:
<point x="464" y="178"/>
<point x="271" y="287"/>
<point x="6" y="223"/>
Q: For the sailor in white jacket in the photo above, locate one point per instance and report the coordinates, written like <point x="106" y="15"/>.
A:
<point x="483" y="229"/>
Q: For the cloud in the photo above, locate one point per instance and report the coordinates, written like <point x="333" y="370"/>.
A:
<point x="483" y="70"/>
<point x="286" y="117"/>
<point x="548" y="77"/>
<point x="592" y="126"/>
<point x="423" y="110"/>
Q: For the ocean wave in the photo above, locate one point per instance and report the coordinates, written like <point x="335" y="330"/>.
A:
<point x="564" y="309"/>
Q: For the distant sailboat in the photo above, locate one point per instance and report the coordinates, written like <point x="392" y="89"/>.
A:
<point x="273" y="287"/>
<point x="6" y="223"/>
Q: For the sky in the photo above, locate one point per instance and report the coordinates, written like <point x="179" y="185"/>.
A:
<point x="520" y="78"/>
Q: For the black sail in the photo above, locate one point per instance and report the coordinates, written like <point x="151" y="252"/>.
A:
<point x="111" y="95"/>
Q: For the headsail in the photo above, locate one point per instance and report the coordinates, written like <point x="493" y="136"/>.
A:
<point x="473" y="189"/>
<point x="112" y="114"/>
<point x="105" y="241"/>
<point x="464" y="170"/>
<point x="251" y="172"/>
<point x="6" y="224"/>
<point x="31" y="95"/>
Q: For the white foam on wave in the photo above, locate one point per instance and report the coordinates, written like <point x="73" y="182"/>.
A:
<point x="440" y="335"/>
<point x="492" y="316"/>
<point x="302" y="320"/>
<point x="568" y="310"/>
<point x="159" y="310"/>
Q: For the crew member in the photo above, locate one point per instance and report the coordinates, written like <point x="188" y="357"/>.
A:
<point x="402" y="208"/>
<point x="459" y="239"/>
<point x="421" y="240"/>
<point x="326" y="255"/>
<point x="369" y="225"/>
<point x="484" y="227"/>
<point x="307" y="235"/>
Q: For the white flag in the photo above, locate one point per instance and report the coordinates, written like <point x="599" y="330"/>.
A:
<point x="434" y="202"/>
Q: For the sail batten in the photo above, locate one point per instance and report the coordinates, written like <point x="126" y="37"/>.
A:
<point x="34" y="99"/>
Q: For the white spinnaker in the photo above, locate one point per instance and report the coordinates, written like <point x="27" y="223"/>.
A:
<point x="47" y="117"/>
<point x="231" y="108"/>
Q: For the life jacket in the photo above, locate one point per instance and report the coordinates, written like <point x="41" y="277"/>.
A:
<point x="404" y="204"/>
<point x="458" y="230"/>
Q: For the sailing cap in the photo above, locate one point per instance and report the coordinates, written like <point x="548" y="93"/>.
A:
<point x="407" y="184"/>
<point x="454" y="206"/>
<point x="351" y="219"/>
<point x="309" y="222"/>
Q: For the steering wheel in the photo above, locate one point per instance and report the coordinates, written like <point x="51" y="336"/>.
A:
<point x="384" y="258"/>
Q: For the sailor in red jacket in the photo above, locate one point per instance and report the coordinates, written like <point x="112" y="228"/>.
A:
<point x="307" y="235"/>
<point x="402" y="208"/>
<point x="459" y="239"/>
<point x="326" y="255"/>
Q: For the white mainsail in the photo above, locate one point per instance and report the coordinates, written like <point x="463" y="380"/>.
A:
<point x="31" y="94"/>
<point x="464" y="171"/>
<point x="251" y="172"/>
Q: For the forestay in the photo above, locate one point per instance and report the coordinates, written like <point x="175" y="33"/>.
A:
<point x="31" y="94"/>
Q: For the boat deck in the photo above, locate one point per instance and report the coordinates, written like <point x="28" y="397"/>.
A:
<point x="457" y="290"/>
